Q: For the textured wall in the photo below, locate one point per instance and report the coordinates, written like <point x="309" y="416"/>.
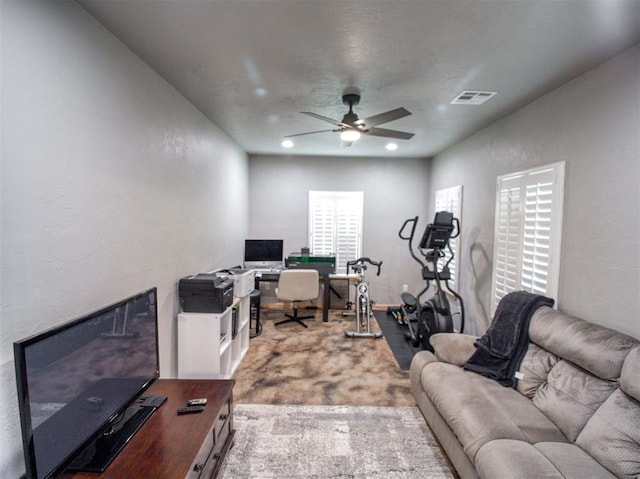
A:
<point x="592" y="123"/>
<point x="394" y="189"/>
<point x="111" y="183"/>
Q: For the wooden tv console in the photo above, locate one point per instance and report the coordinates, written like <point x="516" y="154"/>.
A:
<point x="169" y="446"/>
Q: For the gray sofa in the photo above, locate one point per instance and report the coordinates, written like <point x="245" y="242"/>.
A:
<point x="575" y="412"/>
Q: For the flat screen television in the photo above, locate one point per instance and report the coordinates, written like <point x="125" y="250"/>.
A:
<point x="79" y="386"/>
<point x="263" y="253"/>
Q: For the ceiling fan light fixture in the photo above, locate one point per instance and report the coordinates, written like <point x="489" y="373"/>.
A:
<point x="391" y="146"/>
<point x="287" y="144"/>
<point x="351" y="128"/>
<point x="349" y="135"/>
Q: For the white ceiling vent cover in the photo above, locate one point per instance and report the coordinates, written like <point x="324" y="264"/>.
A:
<point x="470" y="97"/>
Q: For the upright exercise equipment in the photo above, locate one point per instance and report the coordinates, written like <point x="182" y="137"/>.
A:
<point x="362" y="301"/>
<point x="425" y="318"/>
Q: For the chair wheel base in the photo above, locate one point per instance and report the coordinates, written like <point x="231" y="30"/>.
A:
<point x="294" y="319"/>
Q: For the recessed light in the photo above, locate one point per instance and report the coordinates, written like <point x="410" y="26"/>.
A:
<point x="287" y="143"/>
<point x="391" y="146"/>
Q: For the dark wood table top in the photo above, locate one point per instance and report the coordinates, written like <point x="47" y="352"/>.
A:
<point x="166" y="445"/>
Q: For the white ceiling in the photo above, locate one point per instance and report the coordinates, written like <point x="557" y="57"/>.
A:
<point x="252" y="65"/>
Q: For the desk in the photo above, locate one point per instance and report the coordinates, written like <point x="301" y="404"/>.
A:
<point x="169" y="446"/>
<point x="325" y="279"/>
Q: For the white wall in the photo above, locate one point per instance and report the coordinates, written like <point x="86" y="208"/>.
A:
<point x="592" y="123"/>
<point x="394" y="189"/>
<point x="111" y="183"/>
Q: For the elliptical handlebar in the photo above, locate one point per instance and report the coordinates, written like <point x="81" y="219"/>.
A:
<point x="457" y="228"/>
<point x="414" y="223"/>
<point x="413" y="228"/>
<point x="363" y="260"/>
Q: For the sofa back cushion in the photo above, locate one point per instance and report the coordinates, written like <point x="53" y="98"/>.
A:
<point x="571" y="396"/>
<point x="597" y="349"/>
<point x="534" y="369"/>
<point x="612" y="435"/>
<point x="630" y="377"/>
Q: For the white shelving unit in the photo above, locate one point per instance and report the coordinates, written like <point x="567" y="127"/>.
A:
<point x="206" y="346"/>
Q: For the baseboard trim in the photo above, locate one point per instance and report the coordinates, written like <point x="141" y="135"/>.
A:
<point x="281" y="306"/>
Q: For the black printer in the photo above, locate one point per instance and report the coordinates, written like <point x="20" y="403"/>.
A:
<point x="205" y="293"/>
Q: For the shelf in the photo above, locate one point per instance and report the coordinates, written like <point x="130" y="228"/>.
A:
<point x="224" y="346"/>
<point x="201" y="353"/>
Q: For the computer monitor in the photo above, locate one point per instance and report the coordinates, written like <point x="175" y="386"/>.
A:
<point x="263" y="253"/>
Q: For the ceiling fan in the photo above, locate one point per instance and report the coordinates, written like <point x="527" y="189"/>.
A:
<point x="351" y="127"/>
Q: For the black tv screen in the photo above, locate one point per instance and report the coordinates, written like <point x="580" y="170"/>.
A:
<point x="77" y="381"/>
<point x="263" y="252"/>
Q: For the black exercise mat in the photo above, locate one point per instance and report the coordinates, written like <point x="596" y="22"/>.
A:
<point x="393" y="332"/>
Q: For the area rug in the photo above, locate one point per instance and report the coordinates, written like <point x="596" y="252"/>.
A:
<point x="331" y="442"/>
<point x="319" y="365"/>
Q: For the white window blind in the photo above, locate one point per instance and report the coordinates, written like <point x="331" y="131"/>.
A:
<point x="335" y="225"/>
<point x="528" y="232"/>
<point x="450" y="199"/>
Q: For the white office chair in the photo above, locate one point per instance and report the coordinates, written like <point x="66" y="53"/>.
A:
<point x="297" y="285"/>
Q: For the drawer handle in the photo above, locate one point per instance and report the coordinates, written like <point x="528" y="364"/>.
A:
<point x="223" y="416"/>
<point x="198" y="467"/>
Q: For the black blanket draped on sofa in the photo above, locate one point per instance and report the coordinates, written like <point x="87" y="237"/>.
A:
<point x="500" y="351"/>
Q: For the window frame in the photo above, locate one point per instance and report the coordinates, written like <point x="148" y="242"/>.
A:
<point x="517" y="208"/>
<point x="341" y="203"/>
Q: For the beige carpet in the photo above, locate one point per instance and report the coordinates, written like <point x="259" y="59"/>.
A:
<point x="289" y="364"/>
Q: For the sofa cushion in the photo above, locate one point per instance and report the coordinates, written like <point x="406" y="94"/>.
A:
<point x="535" y="368"/>
<point x="479" y="410"/>
<point x="599" y="350"/>
<point x="509" y="459"/>
<point x="612" y="435"/>
<point x="571" y="396"/>
<point x="630" y="376"/>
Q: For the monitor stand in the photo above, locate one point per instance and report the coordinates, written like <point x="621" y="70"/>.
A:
<point x="102" y="450"/>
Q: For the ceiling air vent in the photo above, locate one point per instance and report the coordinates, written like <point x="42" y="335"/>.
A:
<point x="470" y="97"/>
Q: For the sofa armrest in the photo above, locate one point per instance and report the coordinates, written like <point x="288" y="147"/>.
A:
<point x="453" y="348"/>
<point x="421" y="359"/>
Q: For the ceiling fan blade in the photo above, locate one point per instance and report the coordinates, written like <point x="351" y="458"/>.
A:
<point x="323" y="118"/>
<point x="385" y="117"/>
<point x="308" y="133"/>
<point x="400" y="135"/>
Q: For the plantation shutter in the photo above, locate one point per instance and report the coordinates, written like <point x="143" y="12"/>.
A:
<point x="536" y="248"/>
<point x="335" y="225"/>
<point x="450" y="199"/>
<point x="528" y="232"/>
<point x="507" y="239"/>
<point x="322" y="225"/>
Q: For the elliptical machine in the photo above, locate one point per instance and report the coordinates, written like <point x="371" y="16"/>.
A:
<point x="433" y="315"/>
<point x="362" y="300"/>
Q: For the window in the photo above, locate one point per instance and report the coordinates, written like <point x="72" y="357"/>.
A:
<point x="335" y="225"/>
<point x="450" y="199"/>
<point x="528" y="232"/>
